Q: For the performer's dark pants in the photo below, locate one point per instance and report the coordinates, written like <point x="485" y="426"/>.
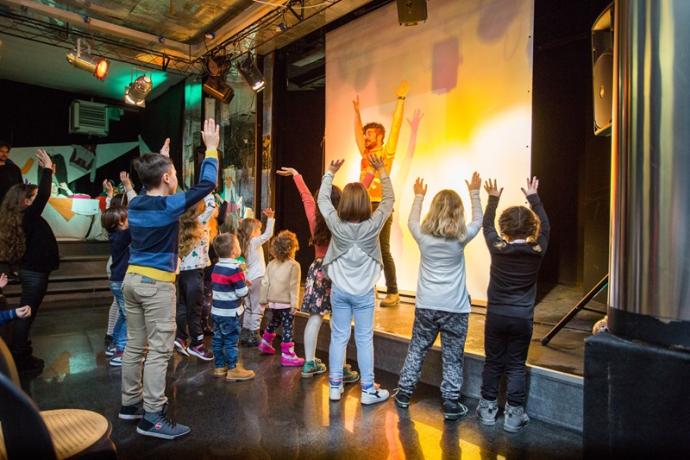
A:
<point x="388" y="262"/>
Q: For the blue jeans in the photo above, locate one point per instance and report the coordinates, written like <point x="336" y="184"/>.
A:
<point x="120" y="329"/>
<point x="226" y="334"/>
<point x="344" y="307"/>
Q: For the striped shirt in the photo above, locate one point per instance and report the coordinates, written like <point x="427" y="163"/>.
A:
<point x="227" y="282"/>
<point x="154" y="225"/>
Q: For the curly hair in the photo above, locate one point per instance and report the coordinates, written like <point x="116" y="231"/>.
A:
<point x="12" y="236"/>
<point x="244" y="233"/>
<point x="519" y="222"/>
<point x="446" y="217"/>
<point x="322" y="234"/>
<point x="284" y="245"/>
<point x="375" y="126"/>
<point x="191" y="231"/>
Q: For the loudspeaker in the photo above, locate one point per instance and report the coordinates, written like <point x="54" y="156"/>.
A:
<point x="410" y="12"/>
<point x="602" y="72"/>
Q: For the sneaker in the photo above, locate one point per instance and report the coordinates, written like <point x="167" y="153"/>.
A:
<point x="116" y="360"/>
<point x="336" y="392"/>
<point x="110" y="350"/>
<point x="349" y="376"/>
<point x="135" y="412"/>
<point x="374" y="395"/>
<point x="253" y="339"/>
<point x="181" y="346"/>
<point x="402" y="399"/>
<point x="158" y="425"/>
<point x="487" y="411"/>
<point x="312" y="368"/>
<point x="391" y="300"/>
<point x="220" y="371"/>
<point x="453" y="409"/>
<point x="239" y="374"/>
<point x="515" y="418"/>
<point x="200" y="352"/>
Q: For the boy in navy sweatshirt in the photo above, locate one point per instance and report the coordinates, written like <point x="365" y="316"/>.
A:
<point x="229" y="287"/>
<point x="516" y="257"/>
<point x="149" y="285"/>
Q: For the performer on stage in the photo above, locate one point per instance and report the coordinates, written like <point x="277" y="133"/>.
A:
<point x="370" y="138"/>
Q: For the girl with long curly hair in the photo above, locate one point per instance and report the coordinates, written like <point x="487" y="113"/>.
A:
<point x="317" y="289"/>
<point x="27" y="240"/>
<point x="194" y="241"/>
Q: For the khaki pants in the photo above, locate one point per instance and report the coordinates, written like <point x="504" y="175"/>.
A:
<point x="150" y="307"/>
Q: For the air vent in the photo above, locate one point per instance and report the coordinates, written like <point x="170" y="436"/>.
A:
<point x="88" y="118"/>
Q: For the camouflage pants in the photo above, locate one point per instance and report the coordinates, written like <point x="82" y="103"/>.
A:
<point x="427" y="325"/>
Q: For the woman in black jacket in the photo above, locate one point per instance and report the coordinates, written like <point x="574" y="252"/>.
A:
<point x="27" y="239"/>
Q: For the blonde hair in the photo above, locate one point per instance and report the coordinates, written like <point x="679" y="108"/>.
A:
<point x="446" y="217"/>
<point x="355" y="204"/>
<point x="191" y="230"/>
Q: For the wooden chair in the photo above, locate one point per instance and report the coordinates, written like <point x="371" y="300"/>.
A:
<point x="26" y="432"/>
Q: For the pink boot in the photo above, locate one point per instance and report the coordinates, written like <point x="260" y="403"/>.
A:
<point x="265" y="346"/>
<point x="288" y="357"/>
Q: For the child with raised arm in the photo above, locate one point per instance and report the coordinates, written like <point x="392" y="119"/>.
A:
<point x="443" y="303"/>
<point x="251" y="242"/>
<point x="516" y="256"/>
<point x="317" y="288"/>
<point x="353" y="263"/>
<point x="149" y="285"/>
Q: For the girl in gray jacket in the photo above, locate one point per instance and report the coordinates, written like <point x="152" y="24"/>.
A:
<point x="353" y="263"/>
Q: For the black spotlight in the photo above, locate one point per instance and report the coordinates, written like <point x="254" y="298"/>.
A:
<point x="214" y="83"/>
<point x="251" y="73"/>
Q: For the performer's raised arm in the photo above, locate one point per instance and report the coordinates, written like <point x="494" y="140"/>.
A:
<point x="359" y="131"/>
<point x="392" y="142"/>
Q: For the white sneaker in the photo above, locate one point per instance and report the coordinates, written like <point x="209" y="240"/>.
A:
<point x="374" y="395"/>
<point x="335" y="393"/>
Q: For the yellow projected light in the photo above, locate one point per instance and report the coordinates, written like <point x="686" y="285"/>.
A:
<point x="469" y="109"/>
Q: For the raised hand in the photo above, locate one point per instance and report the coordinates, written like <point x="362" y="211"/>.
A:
<point x="165" y="149"/>
<point x="475" y="183"/>
<point x="23" y="312"/>
<point x="492" y="188"/>
<point x="532" y="186"/>
<point x="211" y="134"/>
<point x="287" y="172"/>
<point x="108" y="187"/>
<point x="3" y="280"/>
<point x="420" y="187"/>
<point x="126" y="181"/>
<point x="355" y="103"/>
<point x="268" y="212"/>
<point x="44" y="160"/>
<point x="375" y="161"/>
<point x="403" y="89"/>
<point x="335" y="166"/>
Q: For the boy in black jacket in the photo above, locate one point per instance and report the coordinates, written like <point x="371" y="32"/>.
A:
<point x="516" y="256"/>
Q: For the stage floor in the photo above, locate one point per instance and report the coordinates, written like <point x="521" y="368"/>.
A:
<point x="564" y="353"/>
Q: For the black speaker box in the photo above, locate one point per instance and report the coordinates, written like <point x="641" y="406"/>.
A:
<point x="602" y="72"/>
<point x="411" y="12"/>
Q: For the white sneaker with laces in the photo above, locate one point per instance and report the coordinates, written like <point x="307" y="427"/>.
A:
<point x="374" y="395"/>
<point x="335" y="393"/>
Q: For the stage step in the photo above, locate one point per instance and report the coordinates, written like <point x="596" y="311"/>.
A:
<point x="554" y="397"/>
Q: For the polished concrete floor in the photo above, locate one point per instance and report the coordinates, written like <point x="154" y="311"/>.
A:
<point x="277" y="415"/>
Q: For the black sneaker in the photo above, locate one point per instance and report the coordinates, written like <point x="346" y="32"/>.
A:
<point x="253" y="338"/>
<point x="453" y="409"/>
<point x="402" y="399"/>
<point x="135" y="412"/>
<point x="158" y="425"/>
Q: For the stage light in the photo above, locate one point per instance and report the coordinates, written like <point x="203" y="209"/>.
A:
<point x="97" y="66"/>
<point x="251" y="73"/>
<point x="136" y="92"/>
<point x="217" y="88"/>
